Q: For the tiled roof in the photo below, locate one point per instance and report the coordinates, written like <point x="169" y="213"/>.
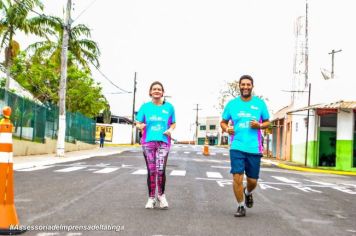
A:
<point x="334" y="105"/>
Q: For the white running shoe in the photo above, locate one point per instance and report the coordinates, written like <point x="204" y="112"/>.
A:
<point x="163" y="204"/>
<point x="151" y="202"/>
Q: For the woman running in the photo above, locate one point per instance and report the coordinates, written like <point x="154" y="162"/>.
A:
<point x="156" y="120"/>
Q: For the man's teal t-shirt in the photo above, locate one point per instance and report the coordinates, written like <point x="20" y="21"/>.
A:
<point x="158" y="118"/>
<point x="241" y="112"/>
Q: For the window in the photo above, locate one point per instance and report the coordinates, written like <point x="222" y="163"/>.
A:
<point x="212" y="127"/>
<point x="203" y="127"/>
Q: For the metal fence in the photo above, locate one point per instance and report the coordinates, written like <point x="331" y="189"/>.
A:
<point x="34" y="121"/>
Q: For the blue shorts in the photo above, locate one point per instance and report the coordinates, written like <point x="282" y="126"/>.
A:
<point x="245" y="162"/>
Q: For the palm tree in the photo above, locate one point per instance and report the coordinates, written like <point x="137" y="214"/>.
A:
<point x="15" y="18"/>
<point x="81" y="49"/>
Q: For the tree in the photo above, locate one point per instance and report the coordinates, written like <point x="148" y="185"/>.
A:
<point x="37" y="75"/>
<point x="40" y="76"/>
<point x="231" y="90"/>
<point x="15" y="18"/>
<point x="81" y="49"/>
<point x="83" y="94"/>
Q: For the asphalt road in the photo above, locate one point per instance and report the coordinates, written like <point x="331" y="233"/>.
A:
<point x="110" y="192"/>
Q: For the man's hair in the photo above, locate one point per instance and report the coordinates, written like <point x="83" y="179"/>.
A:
<point x="153" y="84"/>
<point x="249" y="77"/>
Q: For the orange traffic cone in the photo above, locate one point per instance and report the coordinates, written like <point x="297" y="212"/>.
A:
<point x="206" y="149"/>
<point x="8" y="220"/>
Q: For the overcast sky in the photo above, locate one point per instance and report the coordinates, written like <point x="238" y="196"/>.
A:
<point x="195" y="46"/>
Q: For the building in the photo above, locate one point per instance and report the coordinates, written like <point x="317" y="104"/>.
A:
<point x="209" y="129"/>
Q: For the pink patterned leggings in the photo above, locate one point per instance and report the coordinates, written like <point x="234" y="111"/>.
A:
<point x="156" y="154"/>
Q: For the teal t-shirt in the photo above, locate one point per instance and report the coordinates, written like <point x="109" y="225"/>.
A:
<point x="158" y="118"/>
<point x="241" y="112"/>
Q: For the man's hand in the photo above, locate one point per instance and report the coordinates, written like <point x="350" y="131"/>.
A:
<point x="230" y="130"/>
<point x="254" y="124"/>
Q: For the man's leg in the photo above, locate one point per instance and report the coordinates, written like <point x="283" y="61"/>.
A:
<point x="238" y="187"/>
<point x="251" y="184"/>
<point x="252" y="172"/>
<point x="238" y="169"/>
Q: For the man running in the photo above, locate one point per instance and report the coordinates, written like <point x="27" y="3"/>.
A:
<point x="248" y="115"/>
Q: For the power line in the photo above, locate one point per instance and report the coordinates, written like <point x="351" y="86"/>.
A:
<point x="80" y="14"/>
<point x="125" y="91"/>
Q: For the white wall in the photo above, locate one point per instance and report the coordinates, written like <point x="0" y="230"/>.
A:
<point x="344" y="119"/>
<point x="122" y="134"/>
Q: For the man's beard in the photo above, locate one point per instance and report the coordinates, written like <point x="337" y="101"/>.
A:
<point x="245" y="95"/>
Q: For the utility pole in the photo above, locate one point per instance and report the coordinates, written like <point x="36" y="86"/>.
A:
<point x="307" y="126"/>
<point x="196" y="124"/>
<point x="63" y="84"/>
<point x="332" y="61"/>
<point x="306" y="45"/>
<point x="133" y="111"/>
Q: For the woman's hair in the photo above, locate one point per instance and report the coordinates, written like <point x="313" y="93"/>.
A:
<point x="153" y="84"/>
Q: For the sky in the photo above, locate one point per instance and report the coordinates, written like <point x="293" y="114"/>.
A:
<point x="194" y="47"/>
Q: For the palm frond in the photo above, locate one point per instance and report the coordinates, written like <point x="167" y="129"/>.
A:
<point x="80" y="30"/>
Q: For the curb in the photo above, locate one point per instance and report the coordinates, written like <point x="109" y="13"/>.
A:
<point x="306" y="169"/>
<point x="56" y="160"/>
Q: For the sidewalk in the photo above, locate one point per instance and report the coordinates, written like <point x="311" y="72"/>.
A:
<point x="24" y="162"/>
<point x="300" y="167"/>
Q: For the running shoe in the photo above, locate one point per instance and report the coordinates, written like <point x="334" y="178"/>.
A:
<point x="151" y="202"/>
<point x="163" y="204"/>
<point x="241" y="211"/>
<point x="248" y="199"/>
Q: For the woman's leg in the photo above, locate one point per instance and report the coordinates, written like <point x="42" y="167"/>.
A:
<point x="162" y="156"/>
<point x="149" y="152"/>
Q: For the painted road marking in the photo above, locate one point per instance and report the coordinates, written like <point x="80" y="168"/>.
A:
<point x="140" y="172"/>
<point x="266" y="186"/>
<point x="222" y="183"/>
<point x="106" y="170"/>
<point x="178" y="173"/>
<point x="214" y="175"/>
<point x="221" y="167"/>
<point x="285" y="180"/>
<point x="306" y="189"/>
<point x="70" y="169"/>
<point x="36" y="168"/>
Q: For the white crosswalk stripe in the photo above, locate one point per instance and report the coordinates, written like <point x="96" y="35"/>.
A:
<point x="70" y="169"/>
<point x="106" y="170"/>
<point x="178" y="173"/>
<point x="36" y="168"/>
<point x="140" y="172"/>
<point x="214" y="175"/>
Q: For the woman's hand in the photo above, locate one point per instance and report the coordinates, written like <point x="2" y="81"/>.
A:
<point x="140" y="126"/>
<point x="168" y="132"/>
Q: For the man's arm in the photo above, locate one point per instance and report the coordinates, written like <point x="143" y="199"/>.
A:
<point x="224" y="124"/>
<point x="257" y="125"/>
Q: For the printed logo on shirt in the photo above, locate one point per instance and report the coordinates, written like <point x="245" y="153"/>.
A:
<point x="253" y="107"/>
<point x="155" y="118"/>
<point x="164" y="111"/>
